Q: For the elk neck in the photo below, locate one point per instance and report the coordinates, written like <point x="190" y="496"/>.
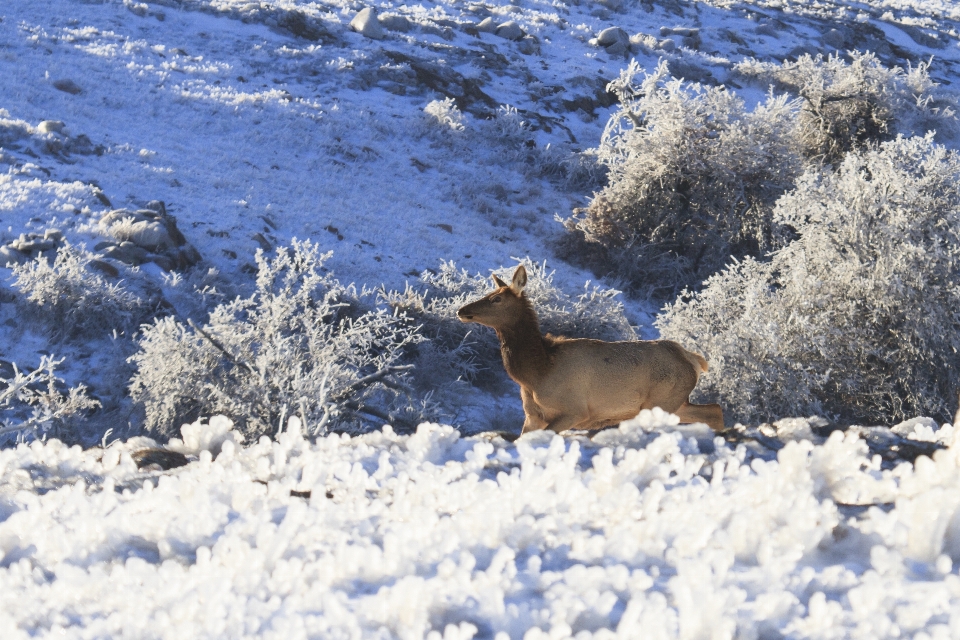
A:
<point x="523" y="348"/>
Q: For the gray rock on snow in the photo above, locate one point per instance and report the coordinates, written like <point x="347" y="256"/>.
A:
<point x="685" y="32"/>
<point x="612" y="5"/>
<point x="366" y="24"/>
<point x="618" y="50"/>
<point x="147" y="235"/>
<point x="394" y="22"/>
<point x="51" y="126"/>
<point x="10" y="255"/>
<point x="510" y="30"/>
<point x="834" y="39"/>
<point x="30" y="246"/>
<point x="689" y="36"/>
<point x="529" y="45"/>
<point x="487" y="25"/>
<point x="613" y="35"/>
<point x="766" y="29"/>
<point x="67" y="86"/>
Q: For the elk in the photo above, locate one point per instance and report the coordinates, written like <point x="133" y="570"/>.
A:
<point x="578" y="383"/>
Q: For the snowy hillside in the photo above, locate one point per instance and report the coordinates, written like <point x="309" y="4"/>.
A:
<point x="149" y="150"/>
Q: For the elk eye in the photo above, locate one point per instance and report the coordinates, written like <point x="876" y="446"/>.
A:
<point x="496" y="299"/>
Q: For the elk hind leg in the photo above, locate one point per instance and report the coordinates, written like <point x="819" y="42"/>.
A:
<point x="709" y="414"/>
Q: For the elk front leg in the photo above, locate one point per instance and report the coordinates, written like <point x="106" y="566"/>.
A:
<point x="532" y="413"/>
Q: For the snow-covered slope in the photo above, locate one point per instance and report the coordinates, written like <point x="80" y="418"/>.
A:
<point x="451" y="134"/>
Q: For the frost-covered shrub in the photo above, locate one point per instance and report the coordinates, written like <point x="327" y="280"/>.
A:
<point x="859" y="317"/>
<point x="38" y="404"/>
<point x="445" y="114"/>
<point x="74" y="300"/>
<point x="458" y="350"/>
<point x="692" y="179"/>
<point x="298" y="346"/>
<point x="846" y="104"/>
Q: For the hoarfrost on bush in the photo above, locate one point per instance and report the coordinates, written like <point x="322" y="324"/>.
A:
<point x="692" y="177"/>
<point x="36" y="404"/>
<point x="299" y="345"/>
<point x="445" y="113"/>
<point x="856" y="319"/>
<point x="73" y="300"/>
<point x="847" y="104"/>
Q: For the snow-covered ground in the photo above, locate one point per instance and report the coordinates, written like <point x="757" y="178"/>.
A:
<point x="256" y="123"/>
<point x="635" y="534"/>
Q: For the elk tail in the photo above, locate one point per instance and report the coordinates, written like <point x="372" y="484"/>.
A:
<point x="698" y="361"/>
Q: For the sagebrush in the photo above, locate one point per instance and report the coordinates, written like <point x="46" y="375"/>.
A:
<point x="72" y="299"/>
<point x="302" y="344"/>
<point x="858" y="319"/>
<point x="692" y="176"/>
<point x="847" y="103"/>
<point x="38" y="404"/>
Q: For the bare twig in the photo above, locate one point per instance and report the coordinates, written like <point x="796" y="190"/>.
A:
<point x="221" y="348"/>
<point x="370" y="379"/>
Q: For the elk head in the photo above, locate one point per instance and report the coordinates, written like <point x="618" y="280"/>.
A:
<point x="502" y="307"/>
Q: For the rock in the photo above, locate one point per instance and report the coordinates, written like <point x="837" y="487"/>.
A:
<point x="366" y="24"/>
<point x="156" y="206"/>
<point x="148" y="234"/>
<point x="510" y="30"/>
<point x="446" y="80"/>
<point x="165" y="263"/>
<point x="834" y="39"/>
<point x="127" y="253"/>
<point x="187" y="256"/>
<point x="487" y="25"/>
<point x="9" y="255"/>
<point x="53" y="234"/>
<point x="613" y="35"/>
<point x="692" y="42"/>
<point x="529" y="45"/>
<point x="51" y="126"/>
<point x="394" y="22"/>
<point x="667" y="45"/>
<point x="104" y="267"/>
<point x="68" y="86"/>
<point x="162" y="459"/>
<point x="613" y="5"/>
<point x="263" y="242"/>
<point x="83" y="145"/>
<point x="766" y="29"/>
<point x="618" y="50"/>
<point x="297" y="23"/>
<point x="685" y="32"/>
<point x="923" y="38"/>
<point x="803" y="50"/>
<point x="33" y="245"/>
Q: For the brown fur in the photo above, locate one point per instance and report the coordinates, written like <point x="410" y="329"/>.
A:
<point x="575" y="383"/>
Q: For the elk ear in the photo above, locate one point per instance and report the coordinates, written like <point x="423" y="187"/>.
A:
<point x="519" y="280"/>
<point x="498" y="283"/>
